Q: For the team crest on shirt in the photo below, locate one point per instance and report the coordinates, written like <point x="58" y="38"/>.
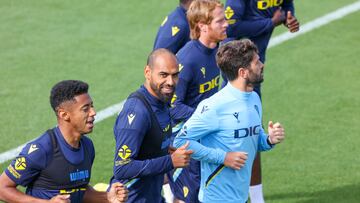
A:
<point x="20" y="164"/>
<point x="173" y="99"/>
<point x="164" y="21"/>
<point x="186" y="191"/>
<point x="131" y="118"/>
<point x="257" y="109"/>
<point x="236" y="115"/>
<point x="167" y="128"/>
<point x="124" y="152"/>
<point x="32" y="148"/>
<point x="180" y="67"/>
<point x="203" y="70"/>
<point x="229" y="13"/>
<point x="174" y="30"/>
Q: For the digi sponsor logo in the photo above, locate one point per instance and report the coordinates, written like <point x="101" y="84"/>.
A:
<point x="209" y="85"/>
<point x="79" y="175"/>
<point x="20" y="164"/>
<point x="245" y="132"/>
<point x="265" y="4"/>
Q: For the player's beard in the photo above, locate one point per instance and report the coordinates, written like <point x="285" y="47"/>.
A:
<point x="163" y="96"/>
<point x="255" y="79"/>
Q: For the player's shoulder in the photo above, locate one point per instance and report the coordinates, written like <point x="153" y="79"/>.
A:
<point x="134" y="104"/>
<point x="178" y="15"/>
<point x="255" y="97"/>
<point x="134" y="114"/>
<point x="38" y="151"/>
<point x="42" y="143"/>
<point x="186" y="53"/>
<point x="207" y="107"/>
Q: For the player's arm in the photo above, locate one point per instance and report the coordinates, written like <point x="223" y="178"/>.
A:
<point x="117" y="194"/>
<point x="23" y="171"/>
<point x="276" y="134"/>
<point x="180" y="111"/>
<point x="130" y="129"/>
<point x="200" y="125"/>
<point x="239" y="27"/>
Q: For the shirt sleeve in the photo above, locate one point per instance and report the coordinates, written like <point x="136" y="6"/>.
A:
<point x="28" y="164"/>
<point x="240" y="27"/>
<point x="130" y="128"/>
<point x="200" y="125"/>
<point x="288" y="5"/>
<point x="263" y="144"/>
<point x="179" y="110"/>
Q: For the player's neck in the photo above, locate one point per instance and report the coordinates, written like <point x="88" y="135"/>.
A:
<point x="241" y="85"/>
<point x="206" y="41"/>
<point x="71" y="136"/>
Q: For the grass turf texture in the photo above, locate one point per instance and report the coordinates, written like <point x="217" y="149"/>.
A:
<point x="310" y="85"/>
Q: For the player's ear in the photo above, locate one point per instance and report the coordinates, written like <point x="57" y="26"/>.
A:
<point x="147" y="72"/>
<point x="63" y="114"/>
<point x="242" y="72"/>
<point x="202" y="27"/>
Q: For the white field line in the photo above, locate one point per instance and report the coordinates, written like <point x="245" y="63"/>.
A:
<point x="326" y="19"/>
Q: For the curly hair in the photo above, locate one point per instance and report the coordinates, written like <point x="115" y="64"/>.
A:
<point x="66" y="90"/>
<point x="235" y="55"/>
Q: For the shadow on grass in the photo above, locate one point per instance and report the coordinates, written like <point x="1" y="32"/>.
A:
<point x="348" y="194"/>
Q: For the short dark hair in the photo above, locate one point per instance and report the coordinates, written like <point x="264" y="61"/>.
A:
<point x="235" y="55"/>
<point x="183" y="2"/>
<point x="66" y="90"/>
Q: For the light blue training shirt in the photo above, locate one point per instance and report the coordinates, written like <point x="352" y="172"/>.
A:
<point x="228" y="121"/>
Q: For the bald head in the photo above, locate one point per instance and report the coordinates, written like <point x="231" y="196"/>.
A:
<point x="161" y="74"/>
<point x="159" y="53"/>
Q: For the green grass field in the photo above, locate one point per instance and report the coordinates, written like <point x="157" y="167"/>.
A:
<point x="311" y="85"/>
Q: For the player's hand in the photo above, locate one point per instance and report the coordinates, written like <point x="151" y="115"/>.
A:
<point x="278" y="17"/>
<point x="60" y="199"/>
<point x="291" y="22"/>
<point x="276" y="132"/>
<point x="118" y="193"/>
<point x="171" y="149"/>
<point x="181" y="156"/>
<point x="235" y="160"/>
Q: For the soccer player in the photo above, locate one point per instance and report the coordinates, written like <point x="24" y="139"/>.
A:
<point x="142" y="132"/>
<point x="199" y="79"/>
<point x="228" y="125"/>
<point x="56" y="167"/>
<point x="256" y="20"/>
<point x="174" y="31"/>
